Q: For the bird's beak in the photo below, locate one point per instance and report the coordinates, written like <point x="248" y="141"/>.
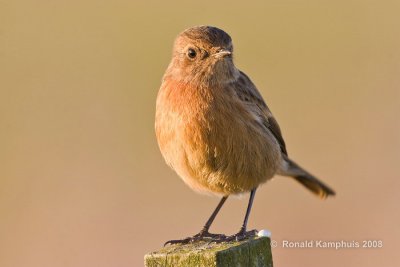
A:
<point x="222" y="53"/>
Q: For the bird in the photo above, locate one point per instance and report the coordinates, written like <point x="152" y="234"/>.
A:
<point x="215" y="130"/>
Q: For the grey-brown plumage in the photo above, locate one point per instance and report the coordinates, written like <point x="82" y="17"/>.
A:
<point x="213" y="126"/>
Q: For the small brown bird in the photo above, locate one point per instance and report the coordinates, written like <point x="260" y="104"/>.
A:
<point x="214" y="128"/>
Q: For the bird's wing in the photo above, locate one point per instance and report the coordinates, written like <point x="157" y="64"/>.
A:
<point x="247" y="92"/>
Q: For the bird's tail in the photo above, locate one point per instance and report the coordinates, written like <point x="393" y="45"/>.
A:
<point x="306" y="179"/>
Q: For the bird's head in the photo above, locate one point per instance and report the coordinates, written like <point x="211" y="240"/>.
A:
<point x="203" y="54"/>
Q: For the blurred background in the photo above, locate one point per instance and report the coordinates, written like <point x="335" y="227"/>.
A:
<point x="82" y="182"/>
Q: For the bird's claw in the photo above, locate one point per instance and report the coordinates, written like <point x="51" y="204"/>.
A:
<point x="241" y="235"/>
<point x="202" y="236"/>
<point x="217" y="238"/>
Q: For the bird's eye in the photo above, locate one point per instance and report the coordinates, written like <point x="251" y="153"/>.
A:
<point x="191" y="53"/>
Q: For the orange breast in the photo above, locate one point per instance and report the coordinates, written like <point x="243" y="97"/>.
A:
<point x="212" y="141"/>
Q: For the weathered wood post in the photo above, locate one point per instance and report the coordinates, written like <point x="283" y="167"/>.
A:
<point x="254" y="252"/>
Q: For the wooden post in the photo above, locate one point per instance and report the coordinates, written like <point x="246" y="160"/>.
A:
<point x="255" y="252"/>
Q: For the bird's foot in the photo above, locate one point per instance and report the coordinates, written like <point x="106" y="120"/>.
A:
<point x="241" y="235"/>
<point x="202" y="236"/>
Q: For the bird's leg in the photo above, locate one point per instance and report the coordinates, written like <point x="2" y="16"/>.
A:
<point x="203" y="234"/>
<point x="243" y="233"/>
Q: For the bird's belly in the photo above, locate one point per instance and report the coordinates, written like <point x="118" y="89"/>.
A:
<point x="222" y="160"/>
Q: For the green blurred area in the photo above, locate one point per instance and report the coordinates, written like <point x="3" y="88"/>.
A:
<point x="82" y="182"/>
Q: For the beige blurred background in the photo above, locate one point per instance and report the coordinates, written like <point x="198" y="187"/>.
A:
<point x="82" y="182"/>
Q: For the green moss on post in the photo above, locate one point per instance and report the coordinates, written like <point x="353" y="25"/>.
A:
<point x="254" y="252"/>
